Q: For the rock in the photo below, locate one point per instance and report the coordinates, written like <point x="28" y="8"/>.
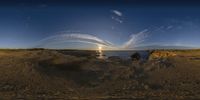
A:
<point x="136" y="56"/>
<point x="161" y="54"/>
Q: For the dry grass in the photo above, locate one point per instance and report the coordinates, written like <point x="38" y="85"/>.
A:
<point x="43" y="74"/>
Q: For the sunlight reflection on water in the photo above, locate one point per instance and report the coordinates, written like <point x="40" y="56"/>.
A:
<point x="100" y="54"/>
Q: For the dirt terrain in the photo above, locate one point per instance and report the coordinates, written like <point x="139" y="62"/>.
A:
<point x="68" y="74"/>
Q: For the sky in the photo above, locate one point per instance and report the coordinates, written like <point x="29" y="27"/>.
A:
<point x="86" y="24"/>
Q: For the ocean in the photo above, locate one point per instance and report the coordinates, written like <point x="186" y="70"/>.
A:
<point x="122" y="54"/>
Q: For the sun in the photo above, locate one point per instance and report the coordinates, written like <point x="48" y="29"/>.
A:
<point x="100" y="48"/>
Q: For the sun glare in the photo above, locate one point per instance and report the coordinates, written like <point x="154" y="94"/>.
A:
<point x="100" y="48"/>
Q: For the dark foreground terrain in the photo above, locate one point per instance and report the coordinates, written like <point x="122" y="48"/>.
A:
<point x="53" y="74"/>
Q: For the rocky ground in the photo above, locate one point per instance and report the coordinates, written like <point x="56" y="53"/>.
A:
<point x="59" y="74"/>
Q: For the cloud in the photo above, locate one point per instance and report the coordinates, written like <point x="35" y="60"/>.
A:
<point x="170" y="27"/>
<point x="117" y="19"/>
<point x="73" y="37"/>
<point x="117" y="16"/>
<point x="135" y="40"/>
<point x="116" y="12"/>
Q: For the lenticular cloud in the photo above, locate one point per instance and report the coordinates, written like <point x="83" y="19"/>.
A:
<point x="73" y="37"/>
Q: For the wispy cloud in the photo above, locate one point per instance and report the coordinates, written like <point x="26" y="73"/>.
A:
<point x="117" y="19"/>
<point x="135" y="39"/>
<point x="73" y="37"/>
<point x="117" y="16"/>
<point x="169" y="27"/>
<point x="116" y="12"/>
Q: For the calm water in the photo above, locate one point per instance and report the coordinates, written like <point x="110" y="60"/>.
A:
<point x="122" y="54"/>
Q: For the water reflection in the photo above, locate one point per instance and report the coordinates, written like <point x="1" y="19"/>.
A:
<point x="100" y="54"/>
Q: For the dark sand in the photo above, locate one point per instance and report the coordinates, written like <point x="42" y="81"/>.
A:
<point x="55" y="74"/>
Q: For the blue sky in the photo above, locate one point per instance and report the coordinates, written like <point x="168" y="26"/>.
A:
<point x="23" y="24"/>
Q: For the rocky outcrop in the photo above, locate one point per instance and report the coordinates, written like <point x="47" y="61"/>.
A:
<point x="136" y="56"/>
<point x="161" y="54"/>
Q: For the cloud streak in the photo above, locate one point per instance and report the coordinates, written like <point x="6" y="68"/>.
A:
<point x="135" y="40"/>
<point x="116" y="12"/>
<point x="117" y="19"/>
<point x="117" y="16"/>
<point x="73" y="37"/>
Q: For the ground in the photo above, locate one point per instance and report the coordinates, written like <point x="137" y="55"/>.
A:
<point x="69" y="74"/>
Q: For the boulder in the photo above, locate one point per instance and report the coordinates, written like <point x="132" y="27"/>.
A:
<point x="136" y="56"/>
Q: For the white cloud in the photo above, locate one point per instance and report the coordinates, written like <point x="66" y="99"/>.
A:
<point x="135" y="39"/>
<point x="73" y="37"/>
<point x="116" y="12"/>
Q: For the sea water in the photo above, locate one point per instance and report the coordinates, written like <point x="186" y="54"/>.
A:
<point x="123" y="54"/>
